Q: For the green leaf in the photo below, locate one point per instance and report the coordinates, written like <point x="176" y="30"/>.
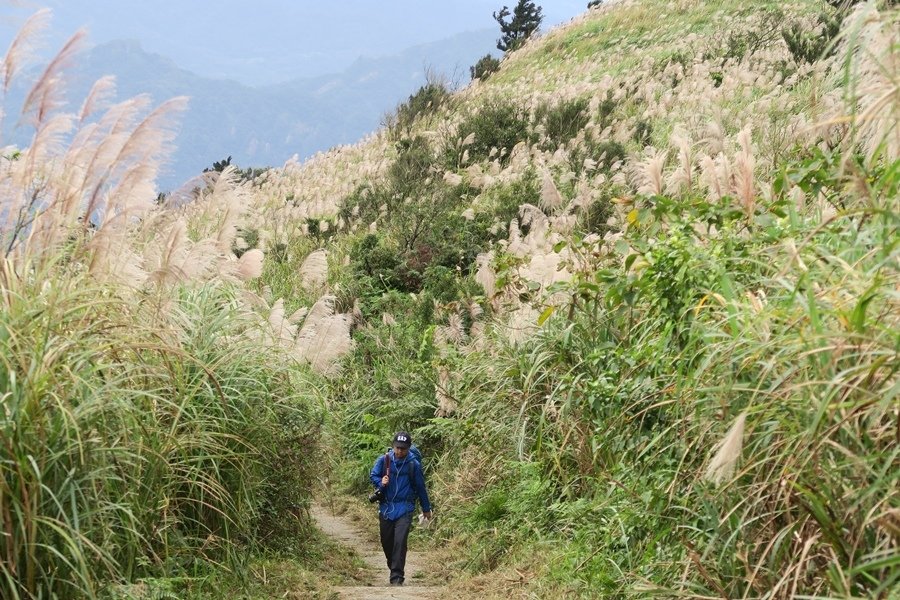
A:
<point x="858" y="315"/>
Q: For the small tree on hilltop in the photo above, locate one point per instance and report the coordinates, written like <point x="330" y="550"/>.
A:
<point x="526" y="18"/>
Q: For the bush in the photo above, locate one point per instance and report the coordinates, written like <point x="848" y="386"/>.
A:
<point x="497" y="125"/>
<point x="747" y="41"/>
<point x="562" y="121"/>
<point x="810" y="46"/>
<point x="412" y="168"/>
<point x="426" y="100"/>
<point x="486" y="65"/>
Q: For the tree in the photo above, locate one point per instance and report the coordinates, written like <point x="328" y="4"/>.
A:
<point x="526" y="18"/>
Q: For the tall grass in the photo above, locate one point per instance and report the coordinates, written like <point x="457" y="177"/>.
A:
<point x="135" y="444"/>
<point x="149" y="425"/>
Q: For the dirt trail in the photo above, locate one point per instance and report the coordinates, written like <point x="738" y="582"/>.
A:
<point x="376" y="587"/>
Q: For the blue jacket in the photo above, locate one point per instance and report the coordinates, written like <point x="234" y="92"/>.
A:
<point x="401" y="491"/>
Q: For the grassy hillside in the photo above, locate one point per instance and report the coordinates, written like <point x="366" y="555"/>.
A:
<point x="635" y="295"/>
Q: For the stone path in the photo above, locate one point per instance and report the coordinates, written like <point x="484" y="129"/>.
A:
<point x="375" y="587"/>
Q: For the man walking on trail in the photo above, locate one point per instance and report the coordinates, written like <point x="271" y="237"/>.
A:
<point x="399" y="475"/>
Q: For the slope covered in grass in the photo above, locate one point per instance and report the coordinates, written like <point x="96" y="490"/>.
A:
<point x="636" y="295"/>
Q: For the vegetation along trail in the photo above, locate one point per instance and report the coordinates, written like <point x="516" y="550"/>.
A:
<point x="632" y="291"/>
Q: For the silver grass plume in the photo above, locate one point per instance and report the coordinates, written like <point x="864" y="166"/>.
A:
<point x="46" y="95"/>
<point x="745" y="172"/>
<point x="324" y="337"/>
<point x="681" y="180"/>
<point x="728" y="452"/>
<point x="22" y="46"/>
<point x="283" y="331"/>
<point x="870" y="46"/>
<point x="551" y="199"/>
<point x="250" y="265"/>
<point x="314" y="270"/>
<point x="102" y="90"/>
<point x="485" y="275"/>
<point x="647" y="173"/>
<point x="445" y="401"/>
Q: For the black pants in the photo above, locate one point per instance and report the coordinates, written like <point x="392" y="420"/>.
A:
<point x="394" y="535"/>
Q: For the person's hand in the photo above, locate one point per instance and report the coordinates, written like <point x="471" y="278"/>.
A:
<point x="427" y="515"/>
<point x="385" y="479"/>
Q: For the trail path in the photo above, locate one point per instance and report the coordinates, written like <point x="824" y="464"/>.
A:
<point x="345" y="531"/>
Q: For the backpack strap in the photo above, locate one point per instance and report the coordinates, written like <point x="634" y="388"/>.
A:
<point x="387" y="464"/>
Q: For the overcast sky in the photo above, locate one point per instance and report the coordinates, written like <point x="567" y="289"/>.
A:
<point x="269" y="41"/>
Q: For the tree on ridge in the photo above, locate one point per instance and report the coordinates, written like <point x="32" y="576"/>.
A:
<point x="526" y="18"/>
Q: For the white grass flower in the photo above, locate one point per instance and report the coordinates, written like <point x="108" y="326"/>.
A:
<point x="647" y="173"/>
<point x="728" y="452"/>
<point x="314" y="270"/>
<point x="250" y="264"/>
<point x="745" y="172"/>
<point x="452" y="179"/>
<point x="551" y="199"/>
<point x="485" y="275"/>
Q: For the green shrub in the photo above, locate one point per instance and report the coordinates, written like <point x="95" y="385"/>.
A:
<point x="594" y="219"/>
<point x="413" y="166"/>
<point x="749" y="40"/>
<point x="604" y="154"/>
<point x="809" y="46"/>
<point x="425" y="101"/>
<point x="562" y="121"/>
<point x="486" y="65"/>
<point x="379" y="266"/>
<point x="496" y="125"/>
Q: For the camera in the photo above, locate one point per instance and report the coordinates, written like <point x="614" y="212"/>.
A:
<point x="377" y="496"/>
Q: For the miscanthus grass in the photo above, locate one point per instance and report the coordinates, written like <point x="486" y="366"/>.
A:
<point x="147" y="407"/>
<point x="695" y="394"/>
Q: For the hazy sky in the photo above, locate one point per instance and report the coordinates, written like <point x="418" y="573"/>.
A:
<point x="268" y="41"/>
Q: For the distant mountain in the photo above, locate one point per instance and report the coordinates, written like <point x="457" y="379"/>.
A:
<point x="267" y="125"/>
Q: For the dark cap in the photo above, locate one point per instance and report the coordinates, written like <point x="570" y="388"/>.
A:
<point x="402" y="440"/>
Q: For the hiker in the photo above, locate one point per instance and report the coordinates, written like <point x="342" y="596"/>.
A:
<point x="396" y="489"/>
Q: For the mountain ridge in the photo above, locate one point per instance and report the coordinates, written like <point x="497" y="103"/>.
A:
<point x="266" y="125"/>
